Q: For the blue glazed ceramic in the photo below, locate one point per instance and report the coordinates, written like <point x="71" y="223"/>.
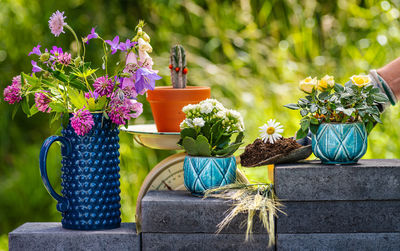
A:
<point x="202" y="173"/>
<point x="90" y="176"/>
<point x="340" y="143"/>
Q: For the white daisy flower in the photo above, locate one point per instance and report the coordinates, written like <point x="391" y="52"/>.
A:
<point x="271" y="131"/>
<point x="198" y="122"/>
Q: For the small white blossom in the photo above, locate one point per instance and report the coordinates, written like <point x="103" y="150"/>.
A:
<point x="221" y="114"/>
<point x="206" y="108"/>
<point x="198" y="122"/>
<point x="188" y="108"/>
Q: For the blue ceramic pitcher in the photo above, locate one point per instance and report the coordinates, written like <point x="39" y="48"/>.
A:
<point x="90" y="176"/>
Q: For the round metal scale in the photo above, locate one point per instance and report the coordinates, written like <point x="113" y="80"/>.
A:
<point x="168" y="174"/>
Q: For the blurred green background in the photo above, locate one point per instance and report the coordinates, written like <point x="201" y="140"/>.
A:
<point x="252" y="53"/>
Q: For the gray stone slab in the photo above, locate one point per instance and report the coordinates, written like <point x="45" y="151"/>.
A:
<point x="206" y="242"/>
<point x="51" y="236"/>
<point x="340" y="217"/>
<point x="345" y="241"/>
<point x="377" y="179"/>
<point x="180" y="212"/>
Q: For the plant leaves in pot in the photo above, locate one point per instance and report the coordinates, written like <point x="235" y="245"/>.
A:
<point x="167" y="101"/>
<point x="340" y="117"/>
<point x="206" y="136"/>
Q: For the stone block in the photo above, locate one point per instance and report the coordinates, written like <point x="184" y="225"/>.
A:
<point x="180" y="212"/>
<point x="344" y="241"/>
<point x="370" y="179"/>
<point x="339" y="217"/>
<point x="202" y="241"/>
<point x="51" y="236"/>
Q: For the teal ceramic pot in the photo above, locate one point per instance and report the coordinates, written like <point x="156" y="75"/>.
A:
<point x="202" y="173"/>
<point x="340" y="143"/>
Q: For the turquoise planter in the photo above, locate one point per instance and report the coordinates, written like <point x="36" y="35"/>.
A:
<point x="340" y="143"/>
<point x="202" y="173"/>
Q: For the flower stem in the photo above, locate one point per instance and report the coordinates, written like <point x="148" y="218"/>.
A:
<point x="76" y="38"/>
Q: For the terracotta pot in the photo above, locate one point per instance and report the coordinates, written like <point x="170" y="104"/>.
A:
<point x="167" y="103"/>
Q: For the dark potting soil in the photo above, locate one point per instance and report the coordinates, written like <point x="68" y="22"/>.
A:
<point x="259" y="151"/>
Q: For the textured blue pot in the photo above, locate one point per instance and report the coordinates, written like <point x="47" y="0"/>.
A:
<point x="340" y="143"/>
<point x="90" y="176"/>
<point x="202" y="173"/>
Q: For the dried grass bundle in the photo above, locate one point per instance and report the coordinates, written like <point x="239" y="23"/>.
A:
<point x="250" y="199"/>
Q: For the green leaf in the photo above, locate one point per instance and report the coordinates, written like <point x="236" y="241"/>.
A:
<point x="54" y="118"/>
<point x="203" y="147"/>
<point x="313" y="108"/>
<point x="65" y="119"/>
<point x="57" y="107"/>
<point x="227" y="151"/>
<point x="349" y="111"/>
<point x="25" y="106"/>
<point x="33" y="111"/>
<point x="305" y="124"/>
<point x="15" y="110"/>
<point x="369" y="126"/>
<point x="377" y="119"/>
<point x="314" y="121"/>
<point x="301" y="134"/>
<point x="33" y="81"/>
<point x="380" y="98"/>
<point x="292" y="106"/>
<point x="323" y="95"/>
<point x="188" y="132"/>
<point x="77" y="98"/>
<point x="189" y="144"/>
<point x="314" y="128"/>
<point x="239" y="138"/>
<point x="303" y="112"/>
<point x="216" y="132"/>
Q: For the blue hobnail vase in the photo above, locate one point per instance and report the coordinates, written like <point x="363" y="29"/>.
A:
<point x="340" y="143"/>
<point x="90" y="197"/>
<point x="202" y="173"/>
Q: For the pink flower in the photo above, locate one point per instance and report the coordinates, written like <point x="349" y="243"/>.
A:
<point x="82" y="121"/>
<point x="103" y="86"/>
<point x="42" y="101"/>
<point x="56" y="23"/>
<point x="64" y="58"/>
<point x="123" y="109"/>
<point x="12" y="93"/>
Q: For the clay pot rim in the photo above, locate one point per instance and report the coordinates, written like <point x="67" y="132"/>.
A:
<point x="172" y="89"/>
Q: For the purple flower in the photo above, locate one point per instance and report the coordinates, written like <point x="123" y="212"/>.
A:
<point x="126" y="46"/>
<point x="42" y="101"/>
<point x="114" y="44"/>
<point x="56" y="23"/>
<point x="36" y="50"/>
<point x="64" y="58"/>
<point x="12" y="93"/>
<point x="145" y="79"/>
<point x="123" y="109"/>
<point x="92" y="94"/>
<point x="92" y="35"/>
<point x="82" y="121"/>
<point x="35" y="67"/>
<point x="103" y="86"/>
<point x="56" y="51"/>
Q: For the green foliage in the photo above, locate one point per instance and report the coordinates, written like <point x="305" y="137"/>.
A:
<point x="339" y="104"/>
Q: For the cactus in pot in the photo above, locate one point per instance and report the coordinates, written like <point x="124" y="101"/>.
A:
<point x="177" y="64"/>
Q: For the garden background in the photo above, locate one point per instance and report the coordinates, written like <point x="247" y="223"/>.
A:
<point x="252" y="53"/>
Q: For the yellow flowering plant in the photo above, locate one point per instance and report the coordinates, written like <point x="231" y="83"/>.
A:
<point x="329" y="102"/>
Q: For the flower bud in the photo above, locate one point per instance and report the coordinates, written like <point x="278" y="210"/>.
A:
<point x="326" y="82"/>
<point x="44" y="57"/>
<point x="125" y="75"/>
<point x="146" y="37"/>
<point x="77" y="61"/>
<point x="139" y="31"/>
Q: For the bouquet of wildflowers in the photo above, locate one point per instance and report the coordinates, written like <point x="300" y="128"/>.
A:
<point x="208" y="128"/>
<point x="329" y="102"/>
<point x="62" y="83"/>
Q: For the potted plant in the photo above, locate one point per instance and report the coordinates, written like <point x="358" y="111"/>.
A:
<point x="167" y="102"/>
<point x="206" y="136"/>
<point x="339" y="117"/>
<point x="91" y="103"/>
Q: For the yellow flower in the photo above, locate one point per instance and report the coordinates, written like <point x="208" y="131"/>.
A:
<point x="308" y="84"/>
<point x="360" y="80"/>
<point x="326" y="82"/>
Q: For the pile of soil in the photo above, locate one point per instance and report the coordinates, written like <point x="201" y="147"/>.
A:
<point x="259" y="151"/>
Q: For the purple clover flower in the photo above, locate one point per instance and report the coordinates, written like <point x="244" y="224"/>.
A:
<point x="64" y="58"/>
<point x="82" y="121"/>
<point x="36" y="50"/>
<point x="92" y="94"/>
<point x="56" y="23"/>
<point x="123" y="109"/>
<point x="114" y="44"/>
<point x="145" y="79"/>
<point x="103" y="86"/>
<point x="35" y="67"/>
<point x="126" y="46"/>
<point x="42" y="101"/>
<point x="12" y="93"/>
<point x="92" y="35"/>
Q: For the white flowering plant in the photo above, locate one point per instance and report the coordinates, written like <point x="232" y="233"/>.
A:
<point x="358" y="100"/>
<point x="208" y="128"/>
